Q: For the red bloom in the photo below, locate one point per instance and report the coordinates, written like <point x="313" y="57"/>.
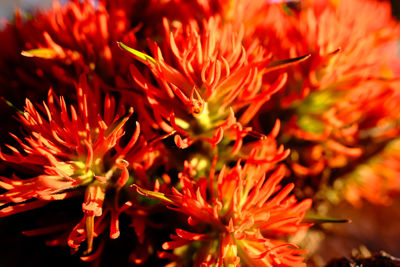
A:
<point x="344" y="95"/>
<point x="204" y="77"/>
<point x="54" y="47"/>
<point x="237" y="216"/>
<point x="71" y="149"/>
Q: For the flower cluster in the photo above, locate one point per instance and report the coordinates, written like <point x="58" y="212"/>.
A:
<point x="74" y="151"/>
<point x="344" y="94"/>
<point x="221" y="124"/>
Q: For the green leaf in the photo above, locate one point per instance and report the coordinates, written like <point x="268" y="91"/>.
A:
<point x="321" y="219"/>
<point x="139" y="55"/>
<point x="279" y="64"/>
<point x="287" y="10"/>
<point x="45" y="53"/>
<point x="11" y="105"/>
<point x="152" y="194"/>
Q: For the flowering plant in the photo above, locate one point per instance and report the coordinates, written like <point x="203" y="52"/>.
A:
<point x="217" y="133"/>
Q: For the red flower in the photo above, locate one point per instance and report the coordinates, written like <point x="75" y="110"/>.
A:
<point x="344" y="95"/>
<point x="237" y="216"/>
<point x="71" y="149"/>
<point x="204" y="77"/>
<point x="54" y="47"/>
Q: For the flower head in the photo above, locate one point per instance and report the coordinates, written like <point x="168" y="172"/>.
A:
<point x="205" y="76"/>
<point x="344" y="94"/>
<point x="54" y="47"/>
<point x="237" y="216"/>
<point x="70" y="150"/>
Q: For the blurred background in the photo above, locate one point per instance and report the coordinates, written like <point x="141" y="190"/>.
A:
<point x="7" y="6"/>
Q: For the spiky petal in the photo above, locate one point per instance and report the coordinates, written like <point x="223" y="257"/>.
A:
<point x="70" y="149"/>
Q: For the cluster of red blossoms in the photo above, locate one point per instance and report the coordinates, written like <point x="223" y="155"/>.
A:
<point x="224" y="118"/>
